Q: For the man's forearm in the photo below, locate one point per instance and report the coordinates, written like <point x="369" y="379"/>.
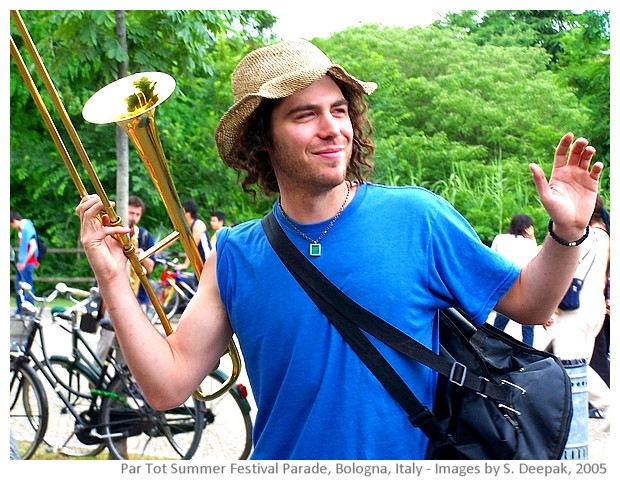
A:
<point x="541" y="284"/>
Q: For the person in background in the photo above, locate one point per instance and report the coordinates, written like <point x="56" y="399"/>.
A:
<point x="27" y="252"/>
<point x="199" y="232"/>
<point x="600" y="361"/>
<point x="519" y="246"/>
<point x="573" y="332"/>
<point x="14" y="450"/>
<point x="143" y="240"/>
<point x="218" y="221"/>
<point x="299" y="129"/>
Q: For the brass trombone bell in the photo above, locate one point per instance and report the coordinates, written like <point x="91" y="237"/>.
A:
<point x="110" y="104"/>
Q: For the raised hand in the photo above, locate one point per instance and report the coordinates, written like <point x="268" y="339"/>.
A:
<point x="570" y="194"/>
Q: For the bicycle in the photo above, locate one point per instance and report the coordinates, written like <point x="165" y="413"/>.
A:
<point x="228" y="429"/>
<point x="95" y="404"/>
<point x="99" y="397"/>
<point x="174" y="289"/>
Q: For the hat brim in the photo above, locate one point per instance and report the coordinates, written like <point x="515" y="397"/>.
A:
<point x="235" y="118"/>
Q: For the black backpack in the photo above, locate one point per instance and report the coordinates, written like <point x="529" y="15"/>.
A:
<point x="41" y="247"/>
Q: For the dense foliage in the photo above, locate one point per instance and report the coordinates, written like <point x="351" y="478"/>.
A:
<point x="462" y="107"/>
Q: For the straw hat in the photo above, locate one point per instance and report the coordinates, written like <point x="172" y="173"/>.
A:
<point x="276" y="71"/>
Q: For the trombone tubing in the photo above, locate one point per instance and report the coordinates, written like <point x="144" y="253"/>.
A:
<point x="128" y="247"/>
<point x="62" y="112"/>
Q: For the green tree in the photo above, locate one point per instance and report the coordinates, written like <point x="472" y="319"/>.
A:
<point x="578" y="45"/>
<point x="453" y="114"/>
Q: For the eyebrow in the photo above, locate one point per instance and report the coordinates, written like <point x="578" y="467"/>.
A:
<point x="312" y="106"/>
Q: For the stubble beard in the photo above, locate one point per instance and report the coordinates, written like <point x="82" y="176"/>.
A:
<point x="304" y="175"/>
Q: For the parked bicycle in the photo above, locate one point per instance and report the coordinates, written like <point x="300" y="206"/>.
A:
<point x="93" y="403"/>
<point x="174" y="289"/>
<point x="100" y="399"/>
<point x="228" y="430"/>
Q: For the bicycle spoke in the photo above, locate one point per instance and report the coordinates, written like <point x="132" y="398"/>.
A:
<point x="28" y="409"/>
<point x="144" y="432"/>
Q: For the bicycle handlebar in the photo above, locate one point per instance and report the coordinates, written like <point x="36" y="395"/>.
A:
<point x="168" y="263"/>
<point x="62" y="288"/>
<point x="26" y="287"/>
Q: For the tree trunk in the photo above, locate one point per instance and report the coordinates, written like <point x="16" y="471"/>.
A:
<point x="122" y="143"/>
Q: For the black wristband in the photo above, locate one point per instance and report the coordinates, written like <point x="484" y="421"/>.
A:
<point x="564" y="242"/>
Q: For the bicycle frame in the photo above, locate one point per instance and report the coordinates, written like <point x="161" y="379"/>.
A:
<point x="177" y="281"/>
<point x="95" y="370"/>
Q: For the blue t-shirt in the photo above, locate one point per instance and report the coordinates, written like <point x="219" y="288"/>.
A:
<point x="402" y="253"/>
<point x="28" y="232"/>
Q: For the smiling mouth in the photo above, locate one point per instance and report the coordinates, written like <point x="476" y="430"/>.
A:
<point x="329" y="152"/>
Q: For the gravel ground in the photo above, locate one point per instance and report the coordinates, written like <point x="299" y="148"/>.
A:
<point x="598" y="441"/>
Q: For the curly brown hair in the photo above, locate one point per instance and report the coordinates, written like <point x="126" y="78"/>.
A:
<point x="255" y="136"/>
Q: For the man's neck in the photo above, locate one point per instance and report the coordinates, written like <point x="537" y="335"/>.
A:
<point x="304" y="208"/>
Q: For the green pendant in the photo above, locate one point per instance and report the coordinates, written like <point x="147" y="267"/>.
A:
<point x="315" y="249"/>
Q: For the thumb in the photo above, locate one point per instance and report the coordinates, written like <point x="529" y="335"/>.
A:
<point x="540" y="181"/>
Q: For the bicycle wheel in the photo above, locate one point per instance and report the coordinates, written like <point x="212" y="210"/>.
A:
<point x="169" y="299"/>
<point x="74" y="382"/>
<point x="228" y="425"/>
<point x="28" y="406"/>
<point x="133" y="430"/>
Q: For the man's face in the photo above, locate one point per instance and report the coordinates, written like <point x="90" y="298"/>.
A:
<point x="312" y="138"/>
<point x="216" y="223"/>
<point x="135" y="213"/>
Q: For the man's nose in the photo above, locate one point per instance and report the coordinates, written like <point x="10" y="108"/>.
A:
<point x="329" y="125"/>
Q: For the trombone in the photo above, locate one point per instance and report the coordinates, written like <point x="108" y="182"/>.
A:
<point x="130" y="103"/>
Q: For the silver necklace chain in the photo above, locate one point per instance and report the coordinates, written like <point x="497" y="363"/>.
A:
<point x="315" y="245"/>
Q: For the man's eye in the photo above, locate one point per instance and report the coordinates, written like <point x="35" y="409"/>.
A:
<point x="304" y="115"/>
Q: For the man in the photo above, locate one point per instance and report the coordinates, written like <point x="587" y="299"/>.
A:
<point x="298" y="127"/>
<point x="27" y="252"/>
<point x="217" y="222"/>
<point x="143" y="240"/>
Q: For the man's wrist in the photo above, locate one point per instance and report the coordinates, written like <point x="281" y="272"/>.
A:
<point x="565" y="242"/>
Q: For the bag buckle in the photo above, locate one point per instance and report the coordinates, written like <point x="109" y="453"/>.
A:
<point x="506" y="382"/>
<point x="461" y="370"/>
<point x="483" y="387"/>
<point x="516" y="412"/>
<point x="521" y="389"/>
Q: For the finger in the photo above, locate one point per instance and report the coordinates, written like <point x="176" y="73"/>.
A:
<point x="577" y="150"/>
<point x="586" y="156"/>
<point x="562" y="149"/>
<point x="116" y="231"/>
<point x="597" y="168"/>
<point x="86" y="202"/>
<point x="540" y="181"/>
<point x="93" y="208"/>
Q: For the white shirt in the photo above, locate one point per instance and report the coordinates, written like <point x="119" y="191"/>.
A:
<point x="516" y="248"/>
